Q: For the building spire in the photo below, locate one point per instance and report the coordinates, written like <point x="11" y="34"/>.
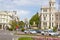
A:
<point x="52" y="3"/>
<point x="52" y="0"/>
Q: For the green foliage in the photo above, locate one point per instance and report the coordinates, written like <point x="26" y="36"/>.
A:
<point x="35" y="18"/>
<point x="21" y="23"/>
<point x="22" y="29"/>
<point x="25" y="38"/>
<point x="13" y="25"/>
<point x="49" y="27"/>
<point x="54" y="29"/>
<point x="10" y="29"/>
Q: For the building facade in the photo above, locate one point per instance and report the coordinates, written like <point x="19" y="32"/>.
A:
<point x="50" y="17"/>
<point x="6" y="17"/>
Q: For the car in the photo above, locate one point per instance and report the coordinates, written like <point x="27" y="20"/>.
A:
<point x="30" y="31"/>
<point x="33" y="32"/>
<point x="42" y="32"/>
<point x="45" y="32"/>
<point x="26" y="31"/>
<point x="51" y="33"/>
<point x="38" y="31"/>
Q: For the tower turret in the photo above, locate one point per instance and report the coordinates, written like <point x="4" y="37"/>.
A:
<point x="52" y="3"/>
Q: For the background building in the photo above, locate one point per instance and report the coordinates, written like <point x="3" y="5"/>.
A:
<point x="50" y="17"/>
<point x="6" y="17"/>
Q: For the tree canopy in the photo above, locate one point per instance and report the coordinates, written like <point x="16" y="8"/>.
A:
<point x="14" y="24"/>
<point x="21" y="23"/>
<point x="35" y="18"/>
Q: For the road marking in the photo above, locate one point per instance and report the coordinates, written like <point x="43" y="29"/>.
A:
<point x="12" y="38"/>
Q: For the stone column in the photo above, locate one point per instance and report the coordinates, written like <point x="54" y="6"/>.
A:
<point x="5" y="27"/>
<point x="51" y="21"/>
<point x="47" y="25"/>
<point x="42" y="25"/>
<point x="2" y="26"/>
<point x="47" y="21"/>
<point x="54" y="24"/>
<point x="58" y="26"/>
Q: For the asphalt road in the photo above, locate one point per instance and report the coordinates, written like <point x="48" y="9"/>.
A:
<point x="7" y="35"/>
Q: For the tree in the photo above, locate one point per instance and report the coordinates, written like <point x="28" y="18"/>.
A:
<point x="55" y="28"/>
<point x="21" y="24"/>
<point x="35" y="18"/>
<point x="13" y="24"/>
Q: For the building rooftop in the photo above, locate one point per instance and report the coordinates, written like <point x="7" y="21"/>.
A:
<point x="52" y="0"/>
<point x="45" y="6"/>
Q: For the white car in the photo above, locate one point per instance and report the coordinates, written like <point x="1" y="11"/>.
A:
<point x="53" y="33"/>
<point x="30" y="31"/>
<point x="33" y="31"/>
<point x="42" y="32"/>
<point x="26" y="31"/>
<point x="45" y="32"/>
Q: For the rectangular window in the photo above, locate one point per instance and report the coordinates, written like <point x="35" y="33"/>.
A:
<point x="45" y="24"/>
<point x="50" y="4"/>
<point x="52" y="24"/>
<point x="44" y="10"/>
<point x="52" y="18"/>
<point x="57" y="15"/>
<point x="44" y="18"/>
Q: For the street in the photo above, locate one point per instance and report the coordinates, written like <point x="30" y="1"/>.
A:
<point x="6" y="35"/>
<point x="9" y="35"/>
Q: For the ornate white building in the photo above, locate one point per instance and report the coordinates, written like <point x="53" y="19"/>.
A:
<point x="50" y="17"/>
<point x="6" y="17"/>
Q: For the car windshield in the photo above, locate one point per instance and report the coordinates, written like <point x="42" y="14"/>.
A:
<point x="50" y="31"/>
<point x="33" y="30"/>
<point x="45" y="30"/>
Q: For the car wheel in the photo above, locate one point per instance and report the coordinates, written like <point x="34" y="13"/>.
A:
<point x="42" y="34"/>
<point x="30" y="33"/>
<point x="25" y="32"/>
<point x="49" y="34"/>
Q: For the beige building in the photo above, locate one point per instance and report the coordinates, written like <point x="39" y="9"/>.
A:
<point x="6" y="17"/>
<point x="50" y="17"/>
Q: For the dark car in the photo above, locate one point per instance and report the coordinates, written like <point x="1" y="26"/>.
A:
<point x="38" y="31"/>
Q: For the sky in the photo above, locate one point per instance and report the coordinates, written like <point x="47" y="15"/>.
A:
<point x="24" y="8"/>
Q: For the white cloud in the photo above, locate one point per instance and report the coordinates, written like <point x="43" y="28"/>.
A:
<point x="23" y="13"/>
<point x="30" y="2"/>
<point x="14" y="4"/>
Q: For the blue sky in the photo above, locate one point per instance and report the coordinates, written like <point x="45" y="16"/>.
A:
<point x="24" y="8"/>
